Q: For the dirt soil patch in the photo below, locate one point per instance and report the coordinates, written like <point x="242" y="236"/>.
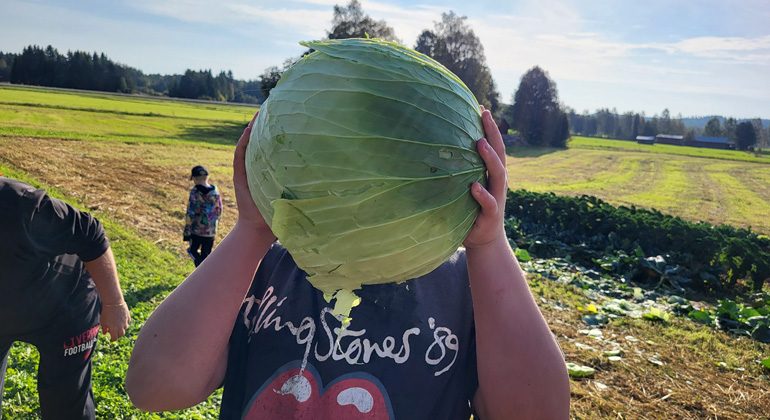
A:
<point x="144" y="186"/>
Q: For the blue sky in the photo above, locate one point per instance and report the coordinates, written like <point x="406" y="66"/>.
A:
<point x="694" y="57"/>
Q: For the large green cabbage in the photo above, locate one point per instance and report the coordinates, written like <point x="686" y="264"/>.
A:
<point x="361" y="161"/>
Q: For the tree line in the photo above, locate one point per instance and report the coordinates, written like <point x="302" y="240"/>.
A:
<point x="92" y="71"/>
<point x="745" y="134"/>
<point x="609" y="123"/>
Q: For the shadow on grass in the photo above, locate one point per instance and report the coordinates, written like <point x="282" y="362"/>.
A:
<point x="145" y="294"/>
<point x="226" y="132"/>
<point x="530" y="151"/>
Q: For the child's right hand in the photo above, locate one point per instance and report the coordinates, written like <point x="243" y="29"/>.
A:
<point x="248" y="214"/>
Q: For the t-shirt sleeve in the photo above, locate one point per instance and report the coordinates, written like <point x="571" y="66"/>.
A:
<point x="57" y="228"/>
<point x="472" y="372"/>
<point x="235" y="380"/>
<point x="460" y="266"/>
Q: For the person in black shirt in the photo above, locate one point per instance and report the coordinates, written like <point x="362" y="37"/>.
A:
<point x="58" y="283"/>
<point x="467" y="337"/>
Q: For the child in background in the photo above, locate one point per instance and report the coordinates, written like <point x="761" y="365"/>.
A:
<point x="203" y="212"/>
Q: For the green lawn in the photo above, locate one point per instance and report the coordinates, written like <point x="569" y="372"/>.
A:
<point x="718" y="186"/>
<point x="578" y="142"/>
<point x="28" y="112"/>
<point x="121" y="104"/>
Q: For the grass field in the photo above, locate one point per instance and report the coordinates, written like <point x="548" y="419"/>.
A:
<point x="718" y="186"/>
<point x="63" y="115"/>
<point x="127" y="160"/>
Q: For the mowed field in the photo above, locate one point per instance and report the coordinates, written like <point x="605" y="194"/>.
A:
<point x="718" y="186"/>
<point x="127" y="161"/>
<point x="130" y="157"/>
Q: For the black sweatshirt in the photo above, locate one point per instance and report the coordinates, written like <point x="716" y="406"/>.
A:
<point x="43" y="243"/>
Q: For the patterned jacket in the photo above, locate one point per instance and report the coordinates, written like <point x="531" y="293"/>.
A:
<point x="203" y="211"/>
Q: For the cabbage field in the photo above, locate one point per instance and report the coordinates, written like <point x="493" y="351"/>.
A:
<point x="642" y="303"/>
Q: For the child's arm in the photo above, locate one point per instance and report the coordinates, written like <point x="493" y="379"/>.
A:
<point x="218" y="207"/>
<point x="188" y="216"/>
<point x="521" y="369"/>
<point x="180" y="356"/>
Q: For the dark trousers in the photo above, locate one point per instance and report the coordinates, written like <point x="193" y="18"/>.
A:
<point x="200" y="248"/>
<point x="64" y="374"/>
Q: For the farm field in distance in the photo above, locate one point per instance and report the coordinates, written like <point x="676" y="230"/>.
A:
<point x="717" y="186"/>
<point x="128" y="159"/>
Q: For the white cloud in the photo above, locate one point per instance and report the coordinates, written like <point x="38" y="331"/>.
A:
<point x="745" y="49"/>
<point x="322" y="2"/>
<point x="235" y="14"/>
<point x="407" y="22"/>
<point x="307" y="22"/>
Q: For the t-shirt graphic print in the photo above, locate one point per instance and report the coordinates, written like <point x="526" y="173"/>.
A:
<point x="408" y="353"/>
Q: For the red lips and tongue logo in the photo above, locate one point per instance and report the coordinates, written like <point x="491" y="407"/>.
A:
<point x="292" y="393"/>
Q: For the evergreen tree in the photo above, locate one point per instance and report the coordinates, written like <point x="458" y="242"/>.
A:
<point x="536" y="113"/>
<point x="745" y="136"/>
<point x="713" y="128"/>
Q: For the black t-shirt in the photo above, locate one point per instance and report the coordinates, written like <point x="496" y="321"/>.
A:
<point x="409" y="352"/>
<point x="43" y="243"/>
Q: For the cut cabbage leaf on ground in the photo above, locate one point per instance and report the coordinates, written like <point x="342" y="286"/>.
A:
<point x="579" y="371"/>
<point x="361" y="161"/>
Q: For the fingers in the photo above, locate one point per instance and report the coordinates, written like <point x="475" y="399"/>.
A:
<point x="239" y="159"/>
<point x="108" y="331"/>
<point x="486" y="200"/>
<point x="492" y="133"/>
<point x="114" y="334"/>
<point x="495" y="169"/>
<point x="115" y="322"/>
<point x="244" y="139"/>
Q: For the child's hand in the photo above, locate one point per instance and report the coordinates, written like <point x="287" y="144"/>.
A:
<point x="489" y="223"/>
<point x="248" y="213"/>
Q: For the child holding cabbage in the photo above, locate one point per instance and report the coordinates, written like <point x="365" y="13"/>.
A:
<point x="467" y="337"/>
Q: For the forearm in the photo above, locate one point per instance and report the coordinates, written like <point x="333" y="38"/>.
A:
<point x="105" y="275"/>
<point x="181" y="352"/>
<point x="521" y="370"/>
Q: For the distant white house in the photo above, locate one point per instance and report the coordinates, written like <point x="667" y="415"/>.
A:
<point x="645" y="139"/>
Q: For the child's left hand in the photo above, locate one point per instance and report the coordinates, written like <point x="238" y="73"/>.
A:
<point x="488" y="226"/>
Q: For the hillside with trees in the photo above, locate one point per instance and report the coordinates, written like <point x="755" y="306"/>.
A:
<point x="94" y="71"/>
